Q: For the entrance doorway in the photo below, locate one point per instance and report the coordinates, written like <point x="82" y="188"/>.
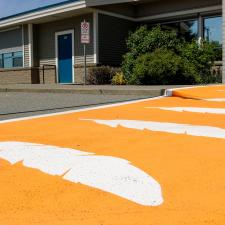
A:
<point x="65" y="56"/>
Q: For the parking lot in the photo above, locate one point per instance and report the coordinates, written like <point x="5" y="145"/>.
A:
<point x="14" y="105"/>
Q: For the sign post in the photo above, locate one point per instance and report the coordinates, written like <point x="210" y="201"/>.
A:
<point x="85" y="39"/>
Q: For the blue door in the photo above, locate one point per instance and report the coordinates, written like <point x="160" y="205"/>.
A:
<point x="65" y="70"/>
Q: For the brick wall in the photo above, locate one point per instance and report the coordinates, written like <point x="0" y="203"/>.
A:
<point x="49" y="75"/>
<point x="79" y="73"/>
<point x="35" y="75"/>
<point x="18" y="76"/>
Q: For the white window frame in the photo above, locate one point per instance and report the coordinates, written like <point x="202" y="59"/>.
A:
<point x="95" y="38"/>
<point x="57" y="34"/>
<point x="31" y="46"/>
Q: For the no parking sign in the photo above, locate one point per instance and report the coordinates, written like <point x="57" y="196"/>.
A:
<point x="85" y="32"/>
<point x="85" y="39"/>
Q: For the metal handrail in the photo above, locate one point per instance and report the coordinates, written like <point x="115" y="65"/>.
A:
<point x="43" y="72"/>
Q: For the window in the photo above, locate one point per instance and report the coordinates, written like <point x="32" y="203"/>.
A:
<point x="17" y="59"/>
<point x="213" y="33"/>
<point x="189" y="29"/>
<point x="10" y="60"/>
<point x="7" y="60"/>
<point x="1" y="62"/>
<point x="186" y="29"/>
<point x="213" y="29"/>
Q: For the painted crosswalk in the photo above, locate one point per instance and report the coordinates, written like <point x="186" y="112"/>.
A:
<point x="148" y="162"/>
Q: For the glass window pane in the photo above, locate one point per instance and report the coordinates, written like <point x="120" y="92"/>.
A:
<point x="18" y="54"/>
<point x="8" y="62"/>
<point x="7" y="55"/>
<point x="18" y="62"/>
<point x="17" y="59"/>
<point x="171" y="27"/>
<point x="186" y="29"/>
<point x="213" y="29"/>
<point x="189" y="29"/>
<point x="213" y="33"/>
<point x="1" y="61"/>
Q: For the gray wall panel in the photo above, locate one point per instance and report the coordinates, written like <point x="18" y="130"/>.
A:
<point x="46" y="37"/>
<point x="11" y="39"/>
<point x="113" y="33"/>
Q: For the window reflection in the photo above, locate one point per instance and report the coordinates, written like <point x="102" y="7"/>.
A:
<point x="17" y="59"/>
<point x="213" y="33"/>
<point x="12" y="59"/>
<point x="188" y="29"/>
<point x="213" y="29"/>
<point x="185" y="29"/>
<point x="1" y="61"/>
<point x="7" y="60"/>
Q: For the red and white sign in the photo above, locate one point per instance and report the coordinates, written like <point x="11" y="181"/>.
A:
<point x="85" y="32"/>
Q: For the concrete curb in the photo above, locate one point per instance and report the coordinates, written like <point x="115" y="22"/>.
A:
<point x="148" y="91"/>
<point x="168" y="93"/>
<point x="140" y="92"/>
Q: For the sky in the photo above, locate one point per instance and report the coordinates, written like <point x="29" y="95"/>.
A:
<point x="10" y="7"/>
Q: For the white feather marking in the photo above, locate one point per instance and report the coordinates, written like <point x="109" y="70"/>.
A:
<point x="214" y="99"/>
<point x="192" y="109"/>
<point x="106" y="173"/>
<point x="202" y="131"/>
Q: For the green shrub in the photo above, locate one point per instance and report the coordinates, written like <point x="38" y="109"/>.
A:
<point x="217" y="74"/>
<point x="160" y="67"/>
<point x="202" y="57"/>
<point x="151" y="68"/>
<point x="119" y="79"/>
<point x="143" y="41"/>
<point x="128" y="65"/>
<point x="101" y="75"/>
<point x="160" y="57"/>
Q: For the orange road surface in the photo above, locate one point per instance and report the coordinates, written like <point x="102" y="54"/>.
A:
<point x="189" y="167"/>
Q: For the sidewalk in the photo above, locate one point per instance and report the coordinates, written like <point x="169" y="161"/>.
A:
<point x="150" y="91"/>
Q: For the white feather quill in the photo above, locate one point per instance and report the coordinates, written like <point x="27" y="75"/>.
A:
<point x="106" y="173"/>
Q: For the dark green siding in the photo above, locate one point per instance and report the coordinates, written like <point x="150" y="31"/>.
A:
<point x="170" y="6"/>
<point x="113" y="33"/>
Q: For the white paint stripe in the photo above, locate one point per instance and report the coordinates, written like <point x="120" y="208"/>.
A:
<point x="191" y="109"/>
<point x="110" y="174"/>
<point x="80" y="110"/>
<point x="202" y="131"/>
<point x="214" y="99"/>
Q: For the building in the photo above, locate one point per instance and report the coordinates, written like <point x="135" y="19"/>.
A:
<point x="36" y="46"/>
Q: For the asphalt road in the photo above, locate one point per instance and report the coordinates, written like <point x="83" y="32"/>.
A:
<point x="16" y="105"/>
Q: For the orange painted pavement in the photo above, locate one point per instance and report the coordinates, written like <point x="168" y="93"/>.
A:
<point x="216" y="91"/>
<point x="190" y="170"/>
